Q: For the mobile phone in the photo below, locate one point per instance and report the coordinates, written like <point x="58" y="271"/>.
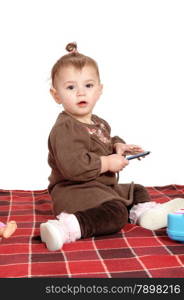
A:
<point x="138" y="155"/>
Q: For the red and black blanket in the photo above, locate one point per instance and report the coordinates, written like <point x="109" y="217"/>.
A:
<point x="131" y="253"/>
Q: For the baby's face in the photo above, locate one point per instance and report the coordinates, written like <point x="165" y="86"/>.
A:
<point x="77" y="90"/>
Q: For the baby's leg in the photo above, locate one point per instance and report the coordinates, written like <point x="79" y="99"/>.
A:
<point x="141" y="203"/>
<point x="107" y="218"/>
<point x="140" y="194"/>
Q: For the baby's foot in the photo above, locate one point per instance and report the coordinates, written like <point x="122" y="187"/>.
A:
<point x="156" y="218"/>
<point x="9" y="229"/>
<point x="53" y="234"/>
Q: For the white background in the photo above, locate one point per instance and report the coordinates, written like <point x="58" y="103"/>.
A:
<point x="139" y="46"/>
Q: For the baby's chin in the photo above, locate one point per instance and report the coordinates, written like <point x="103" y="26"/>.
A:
<point x="81" y="112"/>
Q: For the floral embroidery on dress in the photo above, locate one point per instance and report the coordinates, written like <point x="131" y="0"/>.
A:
<point x="100" y="133"/>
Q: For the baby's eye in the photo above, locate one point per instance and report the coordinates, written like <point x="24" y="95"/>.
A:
<point x="70" y="87"/>
<point x="89" y="85"/>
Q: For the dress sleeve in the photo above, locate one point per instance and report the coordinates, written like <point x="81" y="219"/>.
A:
<point x="70" y="144"/>
<point x="117" y="139"/>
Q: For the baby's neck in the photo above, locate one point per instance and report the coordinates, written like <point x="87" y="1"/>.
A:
<point x="85" y="119"/>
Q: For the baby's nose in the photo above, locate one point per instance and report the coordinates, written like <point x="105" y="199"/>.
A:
<point x="80" y="91"/>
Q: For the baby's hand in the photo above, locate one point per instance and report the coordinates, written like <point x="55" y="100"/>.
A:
<point x="125" y="149"/>
<point x="116" y="162"/>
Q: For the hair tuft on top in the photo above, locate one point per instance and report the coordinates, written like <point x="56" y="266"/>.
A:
<point x="71" y="47"/>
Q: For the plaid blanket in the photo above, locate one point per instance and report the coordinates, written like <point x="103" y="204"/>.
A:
<point x="132" y="252"/>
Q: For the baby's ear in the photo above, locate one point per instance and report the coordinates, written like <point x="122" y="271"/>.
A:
<point x="55" y="95"/>
<point x="101" y="88"/>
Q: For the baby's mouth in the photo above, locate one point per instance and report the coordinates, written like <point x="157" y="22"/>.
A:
<point x="82" y="103"/>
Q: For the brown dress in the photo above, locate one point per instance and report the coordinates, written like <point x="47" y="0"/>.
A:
<point x="74" y="157"/>
<point x="76" y="184"/>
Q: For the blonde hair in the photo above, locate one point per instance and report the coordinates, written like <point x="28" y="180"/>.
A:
<point x="75" y="59"/>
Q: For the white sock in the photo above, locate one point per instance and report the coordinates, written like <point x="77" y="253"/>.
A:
<point x="156" y="217"/>
<point x="55" y="233"/>
<point x="71" y="222"/>
<point x="139" y="209"/>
